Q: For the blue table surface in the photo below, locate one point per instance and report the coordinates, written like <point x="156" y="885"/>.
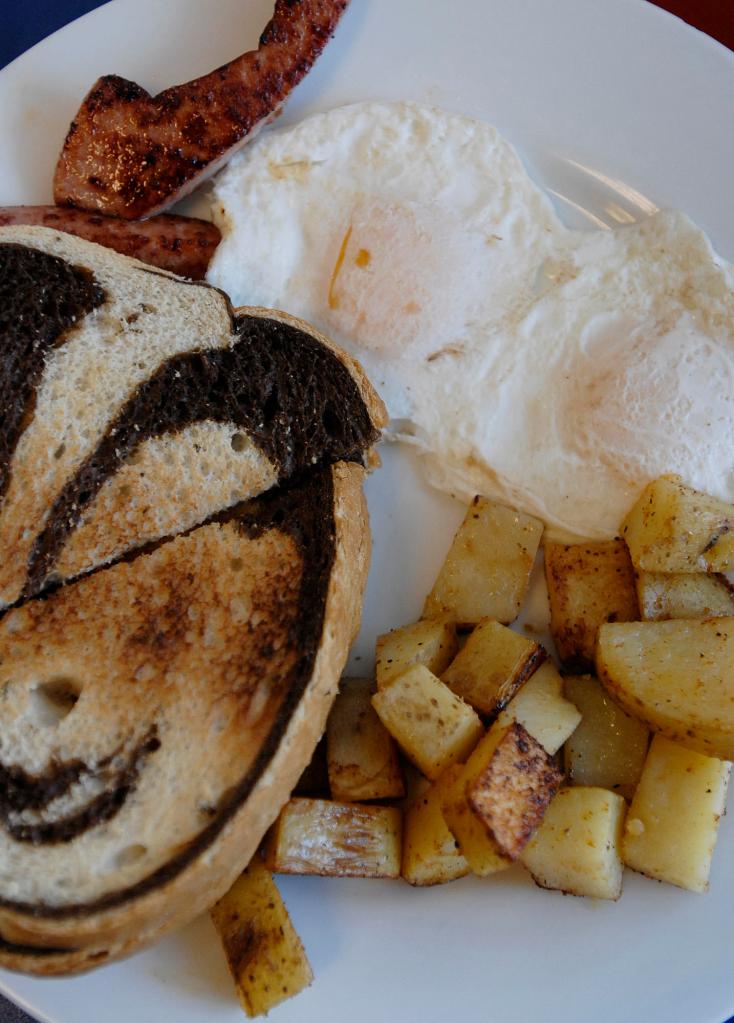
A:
<point x="23" y="25"/>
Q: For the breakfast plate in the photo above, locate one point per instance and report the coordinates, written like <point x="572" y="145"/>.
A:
<point x="616" y="109"/>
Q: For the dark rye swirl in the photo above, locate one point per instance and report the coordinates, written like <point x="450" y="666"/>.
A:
<point x="158" y="709"/>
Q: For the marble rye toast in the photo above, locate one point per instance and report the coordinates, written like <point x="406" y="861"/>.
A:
<point x="184" y="545"/>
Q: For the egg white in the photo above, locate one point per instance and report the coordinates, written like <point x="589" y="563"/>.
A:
<point x="555" y="370"/>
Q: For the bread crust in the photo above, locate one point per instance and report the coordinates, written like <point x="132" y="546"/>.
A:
<point x="119" y="931"/>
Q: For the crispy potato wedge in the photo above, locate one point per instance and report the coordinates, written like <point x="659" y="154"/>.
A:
<point x="362" y="758"/>
<point x="577" y="848"/>
<point x="676" y="676"/>
<point x="320" y="836"/>
<point x="674" y="528"/>
<point x="664" y="595"/>
<point x="433" y="726"/>
<point x="671" y="827"/>
<point x="430" y="853"/>
<point x="512" y="790"/>
<point x="587" y="584"/>
<point x="265" y="955"/>
<point x="487" y="569"/>
<point x="492" y="665"/>
<point x="431" y="642"/>
<point x="609" y="747"/>
<point x="541" y="708"/>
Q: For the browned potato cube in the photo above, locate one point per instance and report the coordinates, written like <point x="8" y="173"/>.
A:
<point x="431" y="642"/>
<point x="480" y="848"/>
<point x="676" y="676"/>
<point x="588" y="584"/>
<point x="493" y="664"/>
<point x="487" y="569"/>
<point x="672" y="825"/>
<point x="264" y="953"/>
<point x="474" y="841"/>
<point x="542" y="709"/>
<point x="512" y="791"/>
<point x="674" y="528"/>
<point x="609" y="747"/>
<point x="430" y="853"/>
<point x="432" y="725"/>
<point x="362" y="758"/>
<point x="577" y="848"/>
<point x="318" y="836"/>
<point x="664" y="595"/>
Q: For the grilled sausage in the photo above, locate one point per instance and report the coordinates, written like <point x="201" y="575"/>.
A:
<point x="131" y="154"/>
<point x="182" y="245"/>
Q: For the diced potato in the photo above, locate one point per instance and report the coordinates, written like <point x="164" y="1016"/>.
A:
<point x="319" y="836"/>
<point x="487" y="569"/>
<point x="315" y="779"/>
<point x="671" y="827"/>
<point x="430" y="853"/>
<point x="493" y="664"/>
<point x="431" y="642"/>
<point x="577" y="848"/>
<point x="432" y="725"/>
<point x="541" y="708"/>
<point x="264" y="953"/>
<point x="475" y="843"/>
<point x="587" y="584"/>
<point x="676" y="676"/>
<point x="512" y="790"/>
<point x="674" y="528"/>
<point x="677" y="595"/>
<point x="416" y="784"/>
<point x="609" y="747"/>
<point x="718" y="556"/>
<point x="362" y="757"/>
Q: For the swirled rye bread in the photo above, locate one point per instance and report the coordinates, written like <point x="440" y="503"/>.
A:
<point x="183" y="551"/>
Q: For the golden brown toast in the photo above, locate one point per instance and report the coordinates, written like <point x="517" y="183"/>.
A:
<point x="183" y="550"/>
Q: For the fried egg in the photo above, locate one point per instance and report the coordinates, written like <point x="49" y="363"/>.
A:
<point x="555" y="370"/>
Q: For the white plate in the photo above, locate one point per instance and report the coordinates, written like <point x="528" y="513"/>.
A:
<point x="616" y="108"/>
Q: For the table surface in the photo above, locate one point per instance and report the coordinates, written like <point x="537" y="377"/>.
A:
<point x="27" y="23"/>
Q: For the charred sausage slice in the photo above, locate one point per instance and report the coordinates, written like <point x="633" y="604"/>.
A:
<point x="130" y="154"/>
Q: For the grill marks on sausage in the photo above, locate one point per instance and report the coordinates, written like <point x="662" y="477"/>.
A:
<point x="292" y="396"/>
<point x="181" y="245"/>
<point x="130" y="154"/>
<point x="41" y="298"/>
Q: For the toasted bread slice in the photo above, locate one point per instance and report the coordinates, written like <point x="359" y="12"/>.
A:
<point x="157" y="714"/>
<point x="135" y="404"/>
<point x="183" y="550"/>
